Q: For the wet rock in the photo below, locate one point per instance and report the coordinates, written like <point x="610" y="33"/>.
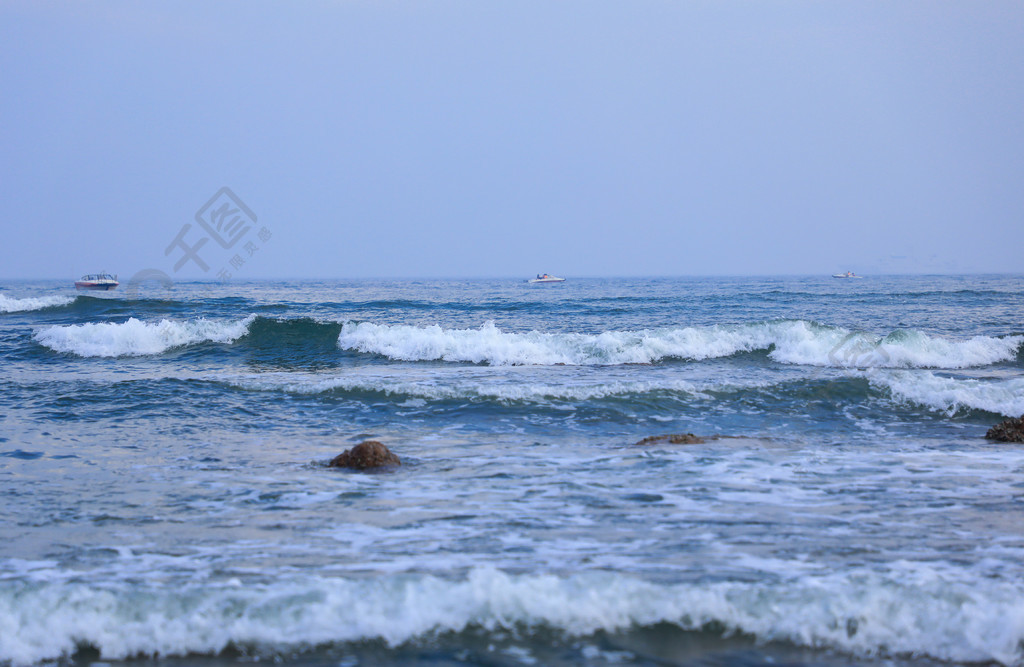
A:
<point x="673" y="439"/>
<point x="368" y="454"/>
<point x="1008" y="430"/>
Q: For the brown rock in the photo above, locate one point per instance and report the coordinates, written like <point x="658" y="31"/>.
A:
<point x="368" y="454"/>
<point x="674" y="439"/>
<point x="1008" y="430"/>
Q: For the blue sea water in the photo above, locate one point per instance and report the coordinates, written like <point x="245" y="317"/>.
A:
<point x="165" y="495"/>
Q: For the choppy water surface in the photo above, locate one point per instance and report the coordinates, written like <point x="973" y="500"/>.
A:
<point x="164" y="492"/>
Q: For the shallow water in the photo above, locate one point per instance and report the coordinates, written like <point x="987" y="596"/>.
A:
<point x="162" y="467"/>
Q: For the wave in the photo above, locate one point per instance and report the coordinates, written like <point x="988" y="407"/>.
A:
<point x="951" y="395"/>
<point x="487" y="390"/>
<point x="911" y="609"/>
<point x="797" y="342"/>
<point x="299" y="331"/>
<point x="787" y="341"/>
<point x="137" y="338"/>
<point x="919" y="387"/>
<point x="10" y="305"/>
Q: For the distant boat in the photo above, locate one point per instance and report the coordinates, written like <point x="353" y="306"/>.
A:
<point x="97" y="281"/>
<point x="848" y="274"/>
<point x="546" y="278"/>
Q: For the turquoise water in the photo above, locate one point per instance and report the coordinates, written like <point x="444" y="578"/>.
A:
<point x="164" y="490"/>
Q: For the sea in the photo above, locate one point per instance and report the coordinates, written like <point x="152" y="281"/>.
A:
<point x="165" y="497"/>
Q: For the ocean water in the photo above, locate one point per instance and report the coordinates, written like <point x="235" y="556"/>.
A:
<point x="164" y="495"/>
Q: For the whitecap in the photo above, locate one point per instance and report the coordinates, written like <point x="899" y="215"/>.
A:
<point x="949" y="395"/>
<point x="11" y="305"/>
<point x="786" y="341"/>
<point x="905" y="608"/>
<point x="136" y="338"/>
<point x="506" y="390"/>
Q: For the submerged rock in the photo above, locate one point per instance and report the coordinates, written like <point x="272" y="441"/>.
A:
<point x="368" y="454"/>
<point x="673" y="439"/>
<point x="1008" y="430"/>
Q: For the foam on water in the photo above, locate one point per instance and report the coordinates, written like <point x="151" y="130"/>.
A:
<point x="501" y="389"/>
<point x="1005" y="397"/>
<point x="913" y="349"/>
<point x="135" y="337"/>
<point x="159" y="510"/>
<point x="787" y="341"/>
<point x="921" y="609"/>
<point x="10" y="305"/>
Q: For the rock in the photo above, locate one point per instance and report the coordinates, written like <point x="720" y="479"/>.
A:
<point x="368" y="454"/>
<point x="1008" y="430"/>
<point x="674" y="439"/>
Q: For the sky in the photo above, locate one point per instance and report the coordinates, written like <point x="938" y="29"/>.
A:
<point x="352" y="139"/>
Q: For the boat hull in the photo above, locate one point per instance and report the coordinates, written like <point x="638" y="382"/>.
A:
<point x="102" y="287"/>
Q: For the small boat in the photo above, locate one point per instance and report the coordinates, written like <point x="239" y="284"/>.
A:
<point x="97" y="281"/>
<point x="546" y="278"/>
<point x="848" y="274"/>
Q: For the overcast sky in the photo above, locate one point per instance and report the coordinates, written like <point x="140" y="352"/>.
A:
<point x="474" y="138"/>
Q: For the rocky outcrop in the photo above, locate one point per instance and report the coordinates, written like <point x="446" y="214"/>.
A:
<point x="368" y="454"/>
<point x="1008" y="430"/>
<point x="673" y="439"/>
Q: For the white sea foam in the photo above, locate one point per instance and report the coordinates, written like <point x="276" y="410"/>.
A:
<point x="1005" y="397"/>
<point x="916" y="609"/>
<point x="136" y="338"/>
<point x="788" y="341"/>
<point x="500" y="389"/>
<point x="913" y="349"/>
<point x="488" y="344"/>
<point x="10" y="305"/>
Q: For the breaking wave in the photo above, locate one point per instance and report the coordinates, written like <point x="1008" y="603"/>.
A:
<point x="797" y="342"/>
<point x="9" y="305"/>
<point x="495" y="389"/>
<point x="136" y="338"/>
<point x="787" y="341"/>
<point x="950" y="395"/>
<point x="908" y="609"/>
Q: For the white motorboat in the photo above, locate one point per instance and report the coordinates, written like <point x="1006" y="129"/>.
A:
<point x="546" y="278"/>
<point x="97" y="281"/>
<point x="848" y="274"/>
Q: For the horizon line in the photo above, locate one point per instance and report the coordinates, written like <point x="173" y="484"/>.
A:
<point x="192" y="279"/>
